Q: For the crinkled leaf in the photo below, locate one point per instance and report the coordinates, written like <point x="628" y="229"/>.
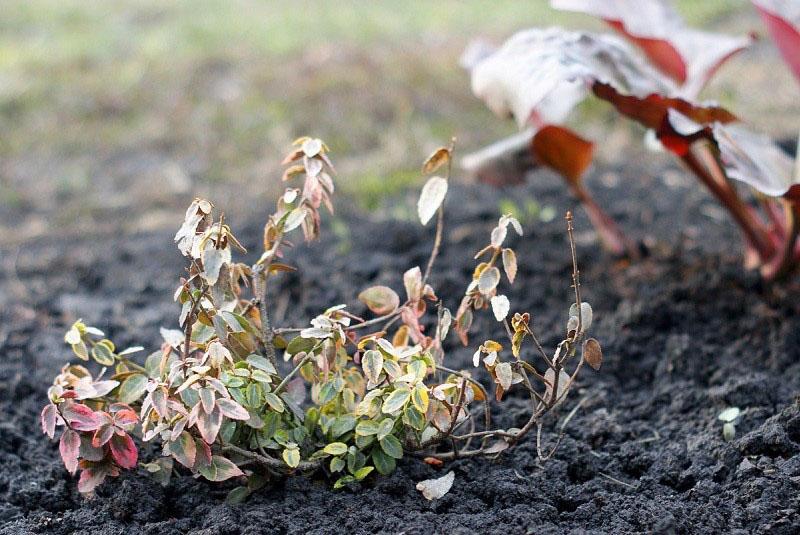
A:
<point x="500" y="307"/>
<point x="686" y="55"/>
<point x="433" y="489"/>
<point x="504" y="374"/>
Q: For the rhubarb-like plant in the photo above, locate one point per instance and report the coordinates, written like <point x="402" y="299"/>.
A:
<point x="358" y="394"/>
<point x="539" y="76"/>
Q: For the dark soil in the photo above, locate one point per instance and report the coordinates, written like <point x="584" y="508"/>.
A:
<point x="686" y="333"/>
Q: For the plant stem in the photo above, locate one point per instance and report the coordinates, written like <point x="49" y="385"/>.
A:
<point x="711" y="173"/>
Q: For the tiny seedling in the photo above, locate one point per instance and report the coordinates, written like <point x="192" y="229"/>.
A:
<point x="728" y="418"/>
<point x="359" y="394"/>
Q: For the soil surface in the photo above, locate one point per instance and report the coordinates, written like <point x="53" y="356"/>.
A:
<point x="686" y="333"/>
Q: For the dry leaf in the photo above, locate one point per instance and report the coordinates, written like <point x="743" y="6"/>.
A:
<point x="592" y="353"/>
<point x="433" y="489"/>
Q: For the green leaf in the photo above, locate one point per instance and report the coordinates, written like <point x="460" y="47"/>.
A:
<point x="384" y="464"/>
<point x="291" y="456"/>
<point x="413" y="418"/>
<point x="335" y="448"/>
<point x="327" y="392"/>
<point x="132" y="388"/>
<point x="300" y="344"/>
<point x="385" y="428"/>
<point x="237" y="495"/>
<point x="103" y="353"/>
<point x="220" y="469"/>
<point x="274" y="401"/>
<point x="81" y="350"/>
<point x="342" y="425"/>
<point x="396" y="400"/>
<point x="367" y="428"/>
<point x="420" y="397"/>
<point x="344" y="480"/>
<point x="391" y="446"/>
<point x="261" y="363"/>
<point x="337" y="464"/>
<point x="372" y="364"/>
<point x="361" y="473"/>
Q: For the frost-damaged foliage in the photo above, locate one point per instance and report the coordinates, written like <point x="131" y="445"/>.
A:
<point x="214" y="396"/>
<point x="538" y="76"/>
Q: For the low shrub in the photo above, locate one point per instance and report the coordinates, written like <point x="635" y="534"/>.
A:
<point x="214" y="396"/>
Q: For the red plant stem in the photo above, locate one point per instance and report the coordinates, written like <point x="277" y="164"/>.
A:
<point x="610" y="235"/>
<point x="753" y="229"/>
<point x="783" y="263"/>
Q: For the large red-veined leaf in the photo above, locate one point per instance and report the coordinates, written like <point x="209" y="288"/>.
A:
<point x="782" y="18"/>
<point x="539" y="75"/>
<point x="688" y="56"/>
<point x="69" y="446"/>
<point x="124" y="451"/>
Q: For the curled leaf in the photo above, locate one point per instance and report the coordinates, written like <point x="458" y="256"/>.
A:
<point x="500" y="307"/>
<point x="592" y="353"/>
<point x="380" y="299"/>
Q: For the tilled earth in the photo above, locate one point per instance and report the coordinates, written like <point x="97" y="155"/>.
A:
<point x="686" y="333"/>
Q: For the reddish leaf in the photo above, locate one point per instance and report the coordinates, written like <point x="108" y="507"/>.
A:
<point x="89" y="452"/>
<point x="124" y="451"/>
<point x="48" y="419"/>
<point x="102" y="436"/>
<point x="783" y="21"/>
<point x="69" y="446"/>
<point x="91" y="478"/>
<point x="209" y="424"/>
<point x="126" y="419"/>
<point x="563" y="151"/>
<point x="380" y="299"/>
<point x="80" y="417"/>
<point x="203" y="453"/>
<point x="232" y="410"/>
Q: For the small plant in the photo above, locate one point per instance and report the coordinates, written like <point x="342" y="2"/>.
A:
<point x="728" y="418"/>
<point x="540" y="75"/>
<point x="214" y="396"/>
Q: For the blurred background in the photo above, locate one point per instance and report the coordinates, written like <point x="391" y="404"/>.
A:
<point x="113" y="115"/>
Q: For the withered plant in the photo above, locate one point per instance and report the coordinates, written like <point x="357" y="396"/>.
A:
<point x="216" y="399"/>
